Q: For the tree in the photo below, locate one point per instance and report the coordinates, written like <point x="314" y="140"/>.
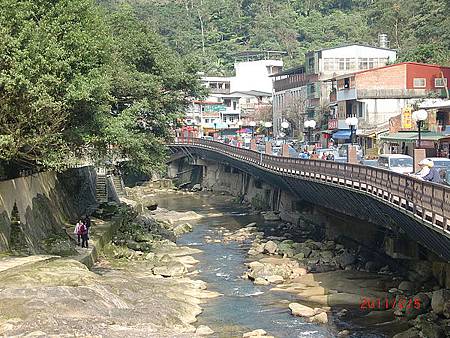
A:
<point x="151" y="87"/>
<point x="52" y="74"/>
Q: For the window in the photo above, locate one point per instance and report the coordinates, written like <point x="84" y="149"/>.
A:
<point x="227" y="102"/>
<point x="347" y="83"/>
<point x="247" y="100"/>
<point x="363" y="63"/>
<point x="328" y="64"/>
<point x="213" y="85"/>
<point x="206" y="120"/>
<point x="350" y="64"/>
<point x="419" y="82"/>
<point x="341" y="64"/>
<point x="373" y="63"/>
<point x="231" y="119"/>
<point x="440" y="82"/>
<point x="234" y="105"/>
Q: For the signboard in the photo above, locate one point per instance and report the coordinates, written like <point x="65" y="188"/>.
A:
<point x="407" y="122"/>
<point x="332" y="124"/>
<point x="215" y="107"/>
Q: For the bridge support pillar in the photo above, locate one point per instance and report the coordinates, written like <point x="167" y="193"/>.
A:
<point x="268" y="149"/>
<point x="285" y="150"/>
<point x="419" y="155"/>
<point x="172" y="169"/>
<point x="352" y="156"/>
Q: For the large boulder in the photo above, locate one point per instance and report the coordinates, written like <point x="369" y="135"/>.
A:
<point x="304" y="250"/>
<point x="321" y="318"/>
<point x="433" y="330"/>
<point x="420" y="304"/>
<point x="172" y="269"/>
<point x="440" y="302"/>
<point x="271" y="216"/>
<point x="407" y="287"/>
<point x="286" y="249"/>
<point x="270" y="247"/>
<point x="346" y="258"/>
<point x="203" y="330"/>
<point x="182" y="229"/>
<point x="301" y="310"/>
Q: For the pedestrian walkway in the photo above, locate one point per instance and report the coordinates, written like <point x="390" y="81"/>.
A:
<point x="101" y="234"/>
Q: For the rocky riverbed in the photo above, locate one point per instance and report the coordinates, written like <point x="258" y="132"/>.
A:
<point x="266" y="278"/>
<point x="336" y="284"/>
<point x="144" y="285"/>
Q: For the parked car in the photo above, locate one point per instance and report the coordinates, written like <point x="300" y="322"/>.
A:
<point x="370" y="163"/>
<point x="398" y="163"/>
<point x="443" y="165"/>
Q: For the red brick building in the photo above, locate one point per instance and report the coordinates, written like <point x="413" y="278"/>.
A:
<point x="376" y="95"/>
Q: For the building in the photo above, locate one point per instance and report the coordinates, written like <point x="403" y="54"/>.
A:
<point x="402" y="137"/>
<point x="377" y="95"/>
<point x="235" y="101"/>
<point x="303" y="92"/>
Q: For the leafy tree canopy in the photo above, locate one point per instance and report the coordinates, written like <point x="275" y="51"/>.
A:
<point x="76" y="80"/>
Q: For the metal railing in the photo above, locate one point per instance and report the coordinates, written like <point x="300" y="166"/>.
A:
<point x="425" y="201"/>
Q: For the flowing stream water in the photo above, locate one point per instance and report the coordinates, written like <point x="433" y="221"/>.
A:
<point x="244" y="306"/>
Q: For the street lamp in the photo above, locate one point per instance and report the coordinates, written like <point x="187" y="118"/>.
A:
<point x="352" y="122"/>
<point x="419" y="116"/>
<point x="253" y="125"/>
<point x="268" y="125"/>
<point x="284" y="126"/>
<point x="310" y="125"/>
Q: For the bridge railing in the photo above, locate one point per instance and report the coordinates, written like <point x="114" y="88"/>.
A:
<point x="427" y="201"/>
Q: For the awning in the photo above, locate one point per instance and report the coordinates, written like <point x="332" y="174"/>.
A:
<point x="327" y="131"/>
<point x="219" y="125"/>
<point x="411" y="136"/>
<point x="342" y="134"/>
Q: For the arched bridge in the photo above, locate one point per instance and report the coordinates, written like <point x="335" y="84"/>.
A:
<point x="421" y="209"/>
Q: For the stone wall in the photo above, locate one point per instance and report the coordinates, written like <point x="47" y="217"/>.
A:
<point x="44" y="202"/>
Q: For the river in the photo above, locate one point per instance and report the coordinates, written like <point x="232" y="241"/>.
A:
<point x="244" y="306"/>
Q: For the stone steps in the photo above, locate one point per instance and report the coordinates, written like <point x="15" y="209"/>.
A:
<point x="100" y="189"/>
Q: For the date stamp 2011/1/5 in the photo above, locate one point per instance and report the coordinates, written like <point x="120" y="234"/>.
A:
<point x="386" y="304"/>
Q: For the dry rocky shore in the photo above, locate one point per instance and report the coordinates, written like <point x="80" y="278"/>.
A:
<point x="333" y="283"/>
<point x="143" y="285"/>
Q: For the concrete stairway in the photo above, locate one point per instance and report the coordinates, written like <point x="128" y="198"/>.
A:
<point x="118" y="184"/>
<point x="101" y="192"/>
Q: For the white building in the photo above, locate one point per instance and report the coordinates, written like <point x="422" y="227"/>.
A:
<point x="237" y="98"/>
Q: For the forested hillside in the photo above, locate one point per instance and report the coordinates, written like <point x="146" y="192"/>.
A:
<point x="212" y="30"/>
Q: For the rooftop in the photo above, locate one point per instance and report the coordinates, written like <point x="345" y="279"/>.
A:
<point x="296" y="70"/>
<point x="349" y="45"/>
<point x="389" y="66"/>
<point x="252" y="55"/>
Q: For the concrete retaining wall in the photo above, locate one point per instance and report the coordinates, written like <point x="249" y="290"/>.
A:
<point x="44" y="203"/>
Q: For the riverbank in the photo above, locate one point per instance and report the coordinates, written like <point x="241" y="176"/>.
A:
<point x="342" y="288"/>
<point x="142" y="285"/>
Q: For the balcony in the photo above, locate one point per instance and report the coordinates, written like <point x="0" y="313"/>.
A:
<point x="346" y="94"/>
<point x="294" y="81"/>
<point x="395" y="93"/>
<point x="225" y="91"/>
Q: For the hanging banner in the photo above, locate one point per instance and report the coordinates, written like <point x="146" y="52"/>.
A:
<point x="407" y="122"/>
